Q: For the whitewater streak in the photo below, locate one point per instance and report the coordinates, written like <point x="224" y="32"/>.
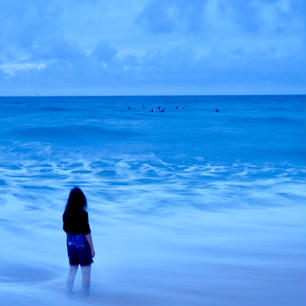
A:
<point x="188" y="206"/>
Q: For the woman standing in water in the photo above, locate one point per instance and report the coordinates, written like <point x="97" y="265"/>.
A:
<point x="79" y="242"/>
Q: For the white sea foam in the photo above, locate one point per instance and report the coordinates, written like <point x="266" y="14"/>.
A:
<point x="188" y="209"/>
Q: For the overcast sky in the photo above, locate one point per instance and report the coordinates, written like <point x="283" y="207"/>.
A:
<point x="114" y="47"/>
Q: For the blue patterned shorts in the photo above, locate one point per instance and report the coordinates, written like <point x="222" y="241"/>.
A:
<point x="79" y="252"/>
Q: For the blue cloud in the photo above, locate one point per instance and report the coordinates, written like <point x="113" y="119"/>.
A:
<point x="159" y="16"/>
<point x="152" y="46"/>
<point x="104" y="51"/>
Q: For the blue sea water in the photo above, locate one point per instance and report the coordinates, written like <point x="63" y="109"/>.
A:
<point x="187" y="207"/>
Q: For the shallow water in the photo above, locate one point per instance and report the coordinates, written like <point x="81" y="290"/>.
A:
<point x="187" y="207"/>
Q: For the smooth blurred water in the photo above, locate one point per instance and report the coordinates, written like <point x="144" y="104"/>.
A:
<point x="187" y="206"/>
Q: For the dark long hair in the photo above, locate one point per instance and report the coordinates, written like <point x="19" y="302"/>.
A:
<point x="76" y="201"/>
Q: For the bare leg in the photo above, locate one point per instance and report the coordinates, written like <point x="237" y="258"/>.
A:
<point x="70" y="278"/>
<point x="86" y="278"/>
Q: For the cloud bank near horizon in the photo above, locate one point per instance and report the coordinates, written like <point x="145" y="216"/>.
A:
<point x="152" y="47"/>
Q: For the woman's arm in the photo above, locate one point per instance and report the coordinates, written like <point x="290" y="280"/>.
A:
<point x="89" y="239"/>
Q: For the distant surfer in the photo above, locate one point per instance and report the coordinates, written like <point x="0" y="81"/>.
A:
<point x="79" y="242"/>
<point x="152" y="110"/>
<point x="217" y="110"/>
<point x="162" y="110"/>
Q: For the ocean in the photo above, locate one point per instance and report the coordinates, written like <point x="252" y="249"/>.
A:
<point x="192" y="200"/>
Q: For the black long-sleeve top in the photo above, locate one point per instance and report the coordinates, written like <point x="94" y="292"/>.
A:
<point x="76" y="223"/>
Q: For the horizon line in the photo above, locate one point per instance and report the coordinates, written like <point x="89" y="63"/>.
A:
<point x="148" y="95"/>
